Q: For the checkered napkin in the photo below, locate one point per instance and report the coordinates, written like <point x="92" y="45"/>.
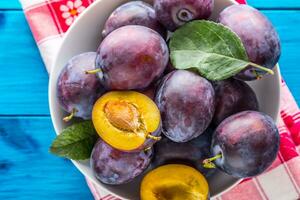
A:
<point x="50" y="19"/>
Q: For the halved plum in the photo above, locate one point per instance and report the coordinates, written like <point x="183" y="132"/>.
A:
<point x="127" y="120"/>
<point x="176" y="182"/>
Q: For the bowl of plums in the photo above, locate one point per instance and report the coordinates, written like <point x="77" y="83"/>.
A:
<point x="167" y="99"/>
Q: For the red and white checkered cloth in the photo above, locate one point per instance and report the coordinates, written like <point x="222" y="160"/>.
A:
<point x="50" y="19"/>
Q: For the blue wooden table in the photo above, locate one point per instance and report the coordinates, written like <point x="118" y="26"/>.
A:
<point x="27" y="170"/>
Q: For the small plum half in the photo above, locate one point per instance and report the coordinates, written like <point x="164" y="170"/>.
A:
<point x="245" y="144"/>
<point x="187" y="104"/>
<point x="127" y="120"/>
<point x="174" y="182"/>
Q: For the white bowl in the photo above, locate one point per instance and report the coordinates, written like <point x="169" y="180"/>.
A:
<point x="85" y="35"/>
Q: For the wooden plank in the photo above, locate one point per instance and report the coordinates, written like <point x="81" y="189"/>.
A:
<point x="275" y="4"/>
<point x="10" y="4"/>
<point x="24" y="80"/>
<point x="28" y="170"/>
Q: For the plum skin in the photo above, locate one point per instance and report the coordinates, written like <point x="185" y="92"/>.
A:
<point x="133" y="13"/>
<point x="248" y="142"/>
<point x="115" y="167"/>
<point x="175" y="13"/>
<point x="233" y="96"/>
<point x="187" y="104"/>
<point x="131" y="58"/>
<point x="258" y="35"/>
<point x="190" y="153"/>
<point x="77" y="90"/>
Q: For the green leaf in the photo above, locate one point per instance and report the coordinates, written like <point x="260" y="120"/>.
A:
<point x="212" y="49"/>
<point x="76" y="142"/>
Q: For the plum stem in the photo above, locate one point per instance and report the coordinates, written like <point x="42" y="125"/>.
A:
<point x="147" y="149"/>
<point x="149" y="136"/>
<point x="95" y="71"/>
<point x="262" y="68"/>
<point x="208" y="163"/>
<point x="71" y="116"/>
<point x="257" y="75"/>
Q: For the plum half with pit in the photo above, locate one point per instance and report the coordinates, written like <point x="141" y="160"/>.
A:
<point x="175" y="13"/>
<point x="115" y="167"/>
<point x="128" y="121"/>
<point x="187" y="104"/>
<point x="233" y="96"/>
<point x="133" y="13"/>
<point x="245" y="144"/>
<point x="77" y="91"/>
<point x="258" y="36"/>
<point x="190" y="153"/>
<point x="131" y="58"/>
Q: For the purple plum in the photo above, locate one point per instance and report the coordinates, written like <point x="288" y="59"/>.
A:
<point x="115" y="167"/>
<point x="131" y="58"/>
<point x="258" y="36"/>
<point x="175" y="13"/>
<point x="77" y="91"/>
<point x="233" y="96"/>
<point x="133" y="13"/>
<point x="248" y="143"/>
<point x="187" y="104"/>
<point x="189" y="153"/>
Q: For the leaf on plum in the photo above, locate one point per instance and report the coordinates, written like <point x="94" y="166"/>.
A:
<point x="211" y="49"/>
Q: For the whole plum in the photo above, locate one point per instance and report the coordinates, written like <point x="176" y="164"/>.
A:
<point x="77" y="91"/>
<point x="246" y="143"/>
<point x="133" y="13"/>
<point x="175" y="13"/>
<point x="187" y="104"/>
<point x="131" y="58"/>
<point x="115" y="167"/>
<point x="190" y="153"/>
<point x="258" y="36"/>
<point x="233" y="96"/>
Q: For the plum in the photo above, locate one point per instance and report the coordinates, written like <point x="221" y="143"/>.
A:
<point x="233" y="96"/>
<point x="245" y="144"/>
<point x="175" y="13"/>
<point x="77" y="91"/>
<point x="258" y="36"/>
<point x="187" y="104"/>
<point x="189" y="153"/>
<point x="133" y="13"/>
<point x="131" y="58"/>
<point x="174" y="182"/>
<point x="127" y="120"/>
<point x="115" y="167"/>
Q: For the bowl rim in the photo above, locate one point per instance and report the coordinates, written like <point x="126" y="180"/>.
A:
<point x="50" y="100"/>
